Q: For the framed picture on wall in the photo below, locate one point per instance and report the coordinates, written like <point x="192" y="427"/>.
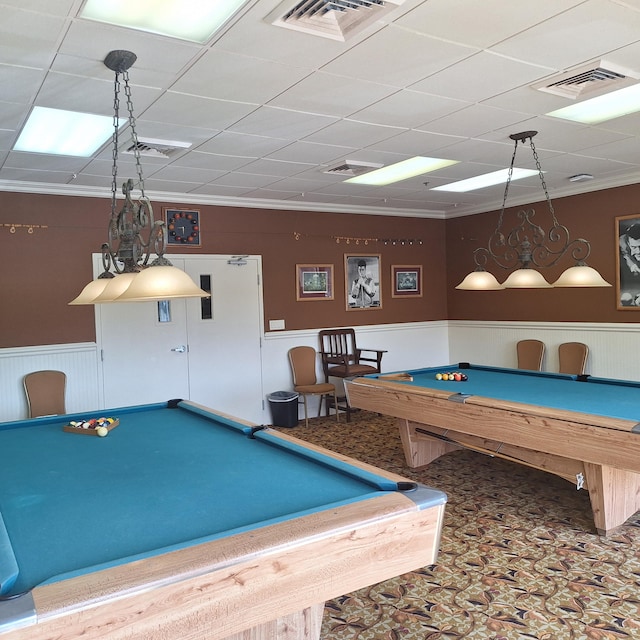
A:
<point x="314" y="282"/>
<point x="628" y="262"/>
<point x="362" y="281"/>
<point x="183" y="227"/>
<point x="406" y="281"/>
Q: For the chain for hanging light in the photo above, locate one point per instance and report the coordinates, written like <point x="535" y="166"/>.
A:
<point x="127" y="251"/>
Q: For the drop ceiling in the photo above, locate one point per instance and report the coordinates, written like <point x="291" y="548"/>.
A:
<point x="268" y="110"/>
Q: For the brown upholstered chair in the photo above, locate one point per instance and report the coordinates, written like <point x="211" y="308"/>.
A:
<point x="573" y="357"/>
<point x="305" y="382"/>
<point x="342" y="358"/>
<point x="530" y="354"/>
<point x="45" y="392"/>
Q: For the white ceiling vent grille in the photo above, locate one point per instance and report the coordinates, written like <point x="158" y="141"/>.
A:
<point x="157" y="148"/>
<point x="351" y="168"/>
<point x="335" y="19"/>
<point x="589" y="80"/>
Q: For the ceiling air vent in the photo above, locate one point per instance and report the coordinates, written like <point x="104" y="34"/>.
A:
<point x="589" y="80"/>
<point x="335" y="19"/>
<point x="157" y="148"/>
<point x="351" y="168"/>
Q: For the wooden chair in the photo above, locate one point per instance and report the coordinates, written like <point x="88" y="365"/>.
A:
<point x="573" y="357"/>
<point x="342" y="358"/>
<point x="45" y="392"/>
<point x="530" y="354"/>
<point x="303" y="369"/>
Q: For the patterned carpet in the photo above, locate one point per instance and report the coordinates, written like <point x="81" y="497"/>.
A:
<point x="519" y="556"/>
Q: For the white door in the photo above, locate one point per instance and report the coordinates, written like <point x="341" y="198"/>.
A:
<point x="225" y="365"/>
<point x="153" y="352"/>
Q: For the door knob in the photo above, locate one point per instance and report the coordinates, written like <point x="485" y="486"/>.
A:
<point x="180" y="349"/>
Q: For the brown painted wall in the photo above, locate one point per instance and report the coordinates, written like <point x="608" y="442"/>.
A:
<point x="591" y="216"/>
<point x="42" y="271"/>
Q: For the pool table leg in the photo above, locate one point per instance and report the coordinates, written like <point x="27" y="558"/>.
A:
<point x="614" y="495"/>
<point x="419" y="451"/>
<point x="301" y="625"/>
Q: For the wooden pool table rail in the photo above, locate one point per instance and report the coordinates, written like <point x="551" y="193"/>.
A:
<point x="597" y="453"/>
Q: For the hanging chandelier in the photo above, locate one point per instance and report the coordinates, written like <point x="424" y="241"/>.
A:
<point x="528" y="247"/>
<point x="133" y="235"/>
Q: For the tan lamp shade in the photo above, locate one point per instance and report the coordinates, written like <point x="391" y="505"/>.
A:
<point x="161" y="283"/>
<point x="116" y="287"/>
<point x="91" y="291"/>
<point x="526" y="279"/>
<point x="480" y="281"/>
<point x="580" y="276"/>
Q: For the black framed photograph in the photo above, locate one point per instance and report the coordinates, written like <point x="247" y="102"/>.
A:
<point x="628" y="262"/>
<point x="183" y="227"/>
<point x="314" y="282"/>
<point x="362" y="281"/>
<point x="407" y="281"/>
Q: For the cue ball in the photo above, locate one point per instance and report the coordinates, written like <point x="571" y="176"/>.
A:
<point x="102" y="431"/>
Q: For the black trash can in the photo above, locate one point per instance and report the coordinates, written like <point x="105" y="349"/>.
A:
<point x="284" y="408"/>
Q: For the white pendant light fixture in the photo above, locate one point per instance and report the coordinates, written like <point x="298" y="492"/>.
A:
<point x="127" y="251"/>
<point x="528" y="247"/>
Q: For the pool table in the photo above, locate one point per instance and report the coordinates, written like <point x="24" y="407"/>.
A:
<point x="183" y="522"/>
<point x="582" y="428"/>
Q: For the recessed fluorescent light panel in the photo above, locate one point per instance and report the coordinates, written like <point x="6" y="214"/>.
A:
<point x="193" y="20"/>
<point x="485" y="180"/>
<point x="64" y="133"/>
<point x="401" y="171"/>
<point x="606" y="107"/>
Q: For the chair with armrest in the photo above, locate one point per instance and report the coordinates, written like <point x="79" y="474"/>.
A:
<point x="530" y="354"/>
<point x="45" y="392"/>
<point x="342" y="358"/>
<point x="573" y="357"/>
<point x="305" y="382"/>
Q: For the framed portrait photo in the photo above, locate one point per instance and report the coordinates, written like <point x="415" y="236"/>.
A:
<point x="406" y="281"/>
<point x="362" y="281"/>
<point x="628" y="262"/>
<point x="183" y="227"/>
<point x="314" y="282"/>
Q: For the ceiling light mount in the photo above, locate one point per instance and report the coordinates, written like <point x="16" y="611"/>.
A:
<point x="133" y="233"/>
<point x="528" y="247"/>
<point x="120" y="60"/>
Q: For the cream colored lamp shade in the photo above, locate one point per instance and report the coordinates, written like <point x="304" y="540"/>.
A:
<point x="480" y="281"/>
<point x="116" y="287"/>
<point x="526" y="279"/>
<point x="161" y="283"/>
<point x="580" y="276"/>
<point x="91" y="291"/>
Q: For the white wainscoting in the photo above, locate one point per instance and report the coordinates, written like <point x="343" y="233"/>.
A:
<point x="79" y="361"/>
<point x="614" y="349"/>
